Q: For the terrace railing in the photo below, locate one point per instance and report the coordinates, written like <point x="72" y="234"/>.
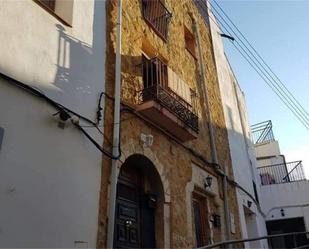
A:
<point x="282" y="173"/>
<point x="262" y="132"/>
<point x="296" y="240"/>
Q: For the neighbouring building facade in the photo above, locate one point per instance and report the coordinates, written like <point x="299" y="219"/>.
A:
<point x="52" y="58"/>
<point x="173" y="137"/>
<point x="284" y="191"/>
<point x="241" y="147"/>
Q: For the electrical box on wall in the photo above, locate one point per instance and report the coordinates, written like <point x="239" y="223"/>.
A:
<point x="1" y="136"/>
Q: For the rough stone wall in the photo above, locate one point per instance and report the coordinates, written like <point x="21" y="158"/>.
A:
<point x="176" y="161"/>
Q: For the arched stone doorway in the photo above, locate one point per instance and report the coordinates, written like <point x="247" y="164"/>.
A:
<point x="139" y="221"/>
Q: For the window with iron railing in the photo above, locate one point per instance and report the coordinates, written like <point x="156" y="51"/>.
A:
<point x="157" y="16"/>
<point x="162" y="85"/>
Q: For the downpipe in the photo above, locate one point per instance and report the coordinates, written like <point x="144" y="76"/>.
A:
<point x="211" y="130"/>
<point x="116" y="132"/>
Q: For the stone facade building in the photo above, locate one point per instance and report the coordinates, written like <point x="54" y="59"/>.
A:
<point x="169" y="86"/>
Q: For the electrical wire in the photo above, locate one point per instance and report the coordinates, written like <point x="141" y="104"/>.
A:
<point x="108" y="154"/>
<point x="285" y="96"/>
<point x="256" y="52"/>
<point x="271" y="82"/>
<point x="297" y="110"/>
<point x="62" y="109"/>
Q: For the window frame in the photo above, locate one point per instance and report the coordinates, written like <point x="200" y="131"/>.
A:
<point x="204" y="219"/>
<point x="50" y="4"/>
<point x="52" y="11"/>
<point x="190" y="38"/>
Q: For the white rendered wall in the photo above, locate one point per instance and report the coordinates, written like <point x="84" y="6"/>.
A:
<point x="49" y="177"/>
<point x="292" y="197"/>
<point x="242" y="151"/>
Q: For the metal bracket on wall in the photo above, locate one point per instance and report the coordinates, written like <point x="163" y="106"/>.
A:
<point x="1" y="136"/>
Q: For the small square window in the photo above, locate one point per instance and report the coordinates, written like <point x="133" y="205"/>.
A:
<point x="190" y="42"/>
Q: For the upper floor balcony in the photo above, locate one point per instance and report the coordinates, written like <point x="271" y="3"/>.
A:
<point x="262" y="132"/>
<point x="157" y="16"/>
<point x="282" y="173"/>
<point x="167" y="100"/>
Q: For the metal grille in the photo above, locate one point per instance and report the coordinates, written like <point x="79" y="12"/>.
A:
<point x="282" y="173"/>
<point x="157" y="15"/>
<point x="155" y="79"/>
<point x="262" y="132"/>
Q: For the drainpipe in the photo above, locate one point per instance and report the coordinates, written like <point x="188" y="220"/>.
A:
<point x="205" y="95"/>
<point x="211" y="130"/>
<point x="116" y="132"/>
<point x="226" y="208"/>
<point x="242" y="123"/>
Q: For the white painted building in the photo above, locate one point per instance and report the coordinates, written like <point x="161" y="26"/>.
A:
<point x="241" y="148"/>
<point x="284" y="191"/>
<point x="50" y="176"/>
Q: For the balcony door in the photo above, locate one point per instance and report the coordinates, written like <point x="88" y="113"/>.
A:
<point x="154" y="73"/>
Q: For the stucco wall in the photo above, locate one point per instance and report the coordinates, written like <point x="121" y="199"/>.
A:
<point x="291" y="197"/>
<point x="49" y="177"/>
<point x="242" y="151"/>
<point x="267" y="149"/>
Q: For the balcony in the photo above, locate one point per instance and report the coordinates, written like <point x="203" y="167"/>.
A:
<point x="167" y="101"/>
<point x="157" y="16"/>
<point x="282" y="173"/>
<point x="262" y="132"/>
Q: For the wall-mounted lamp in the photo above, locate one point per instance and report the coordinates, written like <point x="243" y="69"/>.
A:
<point x="208" y="182"/>
<point x="282" y="212"/>
<point x="249" y="204"/>
<point x="63" y="117"/>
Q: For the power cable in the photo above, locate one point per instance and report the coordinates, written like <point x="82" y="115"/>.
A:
<point x="62" y="110"/>
<point x="297" y="112"/>
<point x="260" y="69"/>
<point x="256" y="52"/>
<point x="300" y="113"/>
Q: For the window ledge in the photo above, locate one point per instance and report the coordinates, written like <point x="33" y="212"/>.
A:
<point x="50" y="11"/>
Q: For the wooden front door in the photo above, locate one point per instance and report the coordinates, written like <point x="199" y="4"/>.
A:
<point x="200" y="212"/>
<point x="134" y="221"/>
<point x="127" y="225"/>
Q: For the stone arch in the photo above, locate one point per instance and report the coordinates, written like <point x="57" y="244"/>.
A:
<point x="155" y="183"/>
<point x="131" y="148"/>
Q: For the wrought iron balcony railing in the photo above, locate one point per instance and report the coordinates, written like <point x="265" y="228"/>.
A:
<point x="157" y="16"/>
<point x="262" y="132"/>
<point x="156" y="88"/>
<point x="282" y="173"/>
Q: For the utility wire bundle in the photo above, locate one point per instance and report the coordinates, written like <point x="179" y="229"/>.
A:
<point x="219" y="17"/>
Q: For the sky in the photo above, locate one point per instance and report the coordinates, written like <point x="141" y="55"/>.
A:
<point x="279" y="31"/>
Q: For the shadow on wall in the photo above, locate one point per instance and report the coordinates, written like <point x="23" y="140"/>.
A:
<point x="80" y="66"/>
